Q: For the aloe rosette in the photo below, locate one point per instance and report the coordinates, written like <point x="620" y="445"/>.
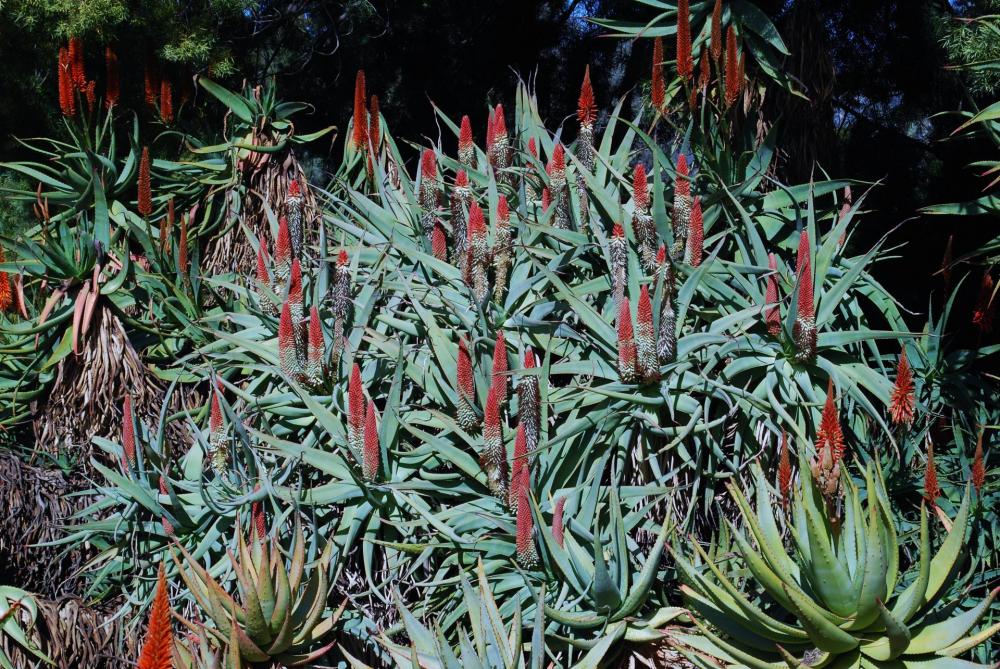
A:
<point x="837" y="594"/>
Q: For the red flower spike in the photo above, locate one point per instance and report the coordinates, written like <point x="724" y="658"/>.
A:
<point x="359" y="136"/>
<point x="557" y="521"/>
<point x="661" y="255"/>
<point x="157" y="651"/>
<point x="490" y="131"/>
<point x="294" y="190"/>
<point x="806" y="311"/>
<point x="439" y="241"/>
<point x="682" y="184"/>
<point x="428" y="165"/>
<point x="658" y="85"/>
<point x="67" y="97"/>
<point x="492" y="427"/>
<point x="182" y="245"/>
<point x="982" y="315"/>
<point x="466" y="382"/>
<point x="6" y="290"/>
<point x="355" y="399"/>
<point x="978" y="470"/>
<point x="830" y="435"/>
<point x="112" y="84"/>
<point x="558" y="163"/>
<point x="716" y="41"/>
<point x="529" y="359"/>
<point x="499" y="123"/>
<point x="704" y="71"/>
<point x="932" y="490"/>
<point x="524" y="540"/>
<point x="477" y="224"/>
<point x="503" y="209"/>
<point x="315" y="341"/>
<point x="586" y="109"/>
<point x="546" y="199"/>
<point x="696" y="235"/>
<point x="145" y="200"/>
<point x="733" y="78"/>
<point x="461" y="179"/>
<point x="626" y="343"/>
<point x="215" y="418"/>
<point x="785" y="472"/>
<point x="902" y="401"/>
<point x="500" y="367"/>
<point x="685" y="64"/>
<point x="128" y="432"/>
<point x="533" y="148"/>
<point x="518" y="461"/>
<point x="618" y="231"/>
<point x="644" y="310"/>
<point x="283" y="246"/>
<point x="772" y="313"/>
<point x="79" y="74"/>
<point x="166" y="101"/>
<point x="374" y="124"/>
<point x="640" y="187"/>
<point x="342" y="258"/>
<point x="371" y="454"/>
<point x="465" y="140"/>
<point x="295" y="284"/>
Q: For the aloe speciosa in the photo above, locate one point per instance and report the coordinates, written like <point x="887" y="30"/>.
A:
<point x="280" y="618"/>
<point x="836" y="593"/>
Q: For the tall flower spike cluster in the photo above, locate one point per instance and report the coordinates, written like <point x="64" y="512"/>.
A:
<point x="804" y="331"/>
<point x="902" y="401"/>
<point x="429" y="190"/>
<point x="145" y="197"/>
<point x="502" y="250"/>
<point x="500" y="368"/>
<point x="288" y="357"/>
<point x="647" y="362"/>
<point x="218" y="453"/>
<point x="618" y="250"/>
<point x="371" y="454"/>
<point x="772" y="313"/>
<point x="282" y="256"/>
<point x="626" y="343"/>
<point x="557" y="186"/>
<point x="466" y="387"/>
<point x="696" y="236"/>
<point x="658" y="84"/>
<point x="685" y="62"/>
<point x="529" y="409"/>
<point x="359" y="135"/>
<point x="355" y="409"/>
<point x="479" y="254"/>
<point x="341" y="304"/>
<point x="784" y="472"/>
<point x="586" y="113"/>
<point x="494" y="457"/>
<point x="67" y="96"/>
<point x="642" y="220"/>
<point x="439" y="241"/>
<point x="157" y="651"/>
<point x="314" y="349"/>
<point x="466" y="144"/>
<point x="682" y="207"/>
<point x="293" y="213"/>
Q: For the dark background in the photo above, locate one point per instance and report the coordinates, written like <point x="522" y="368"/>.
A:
<point x="876" y="72"/>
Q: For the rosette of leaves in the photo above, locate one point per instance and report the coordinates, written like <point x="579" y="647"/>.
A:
<point x="836" y="595"/>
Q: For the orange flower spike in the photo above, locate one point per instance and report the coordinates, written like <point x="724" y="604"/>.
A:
<point x="685" y="63"/>
<point x="932" y="489"/>
<point x="157" y="651"/>
<point x="359" y="137"/>
<point x="903" y="400"/>
<point x="978" y="469"/>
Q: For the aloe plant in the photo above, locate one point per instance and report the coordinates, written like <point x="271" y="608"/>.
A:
<point x="837" y="594"/>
